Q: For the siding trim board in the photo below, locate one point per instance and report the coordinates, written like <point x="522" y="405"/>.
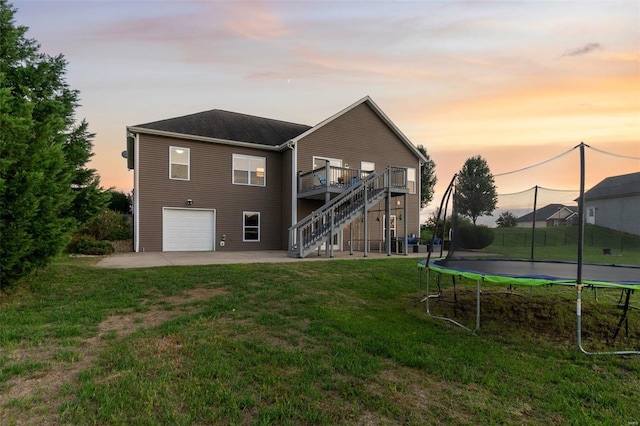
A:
<point x="136" y="195"/>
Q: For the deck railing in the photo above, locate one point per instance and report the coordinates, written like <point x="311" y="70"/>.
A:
<point x="329" y="177"/>
<point x="360" y="195"/>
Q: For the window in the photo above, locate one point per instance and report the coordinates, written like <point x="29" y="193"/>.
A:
<point x="249" y="170"/>
<point x="411" y="179"/>
<point x="251" y="226"/>
<point x="367" y="166"/>
<point x="179" y="163"/>
<point x="322" y="161"/>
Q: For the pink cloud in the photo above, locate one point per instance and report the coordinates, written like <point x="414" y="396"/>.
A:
<point x="253" y="20"/>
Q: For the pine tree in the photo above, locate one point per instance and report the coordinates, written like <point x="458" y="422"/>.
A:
<point x="475" y="191"/>
<point x="507" y="220"/>
<point x="44" y="184"/>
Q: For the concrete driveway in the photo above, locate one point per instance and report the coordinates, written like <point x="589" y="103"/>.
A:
<point x="149" y="260"/>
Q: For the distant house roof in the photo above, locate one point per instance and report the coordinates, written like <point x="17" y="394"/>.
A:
<point x="615" y="186"/>
<point x="550" y="211"/>
<point x="227" y="126"/>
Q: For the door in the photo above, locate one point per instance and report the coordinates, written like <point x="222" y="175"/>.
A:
<point x="188" y="229"/>
<point x="335" y="165"/>
<point x="591" y="215"/>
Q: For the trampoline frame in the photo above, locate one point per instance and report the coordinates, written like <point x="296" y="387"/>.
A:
<point x="474" y="276"/>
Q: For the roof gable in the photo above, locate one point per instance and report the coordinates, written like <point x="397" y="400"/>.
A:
<point x="550" y="211"/>
<point x="378" y="112"/>
<point x="228" y="126"/>
<point x="615" y="186"/>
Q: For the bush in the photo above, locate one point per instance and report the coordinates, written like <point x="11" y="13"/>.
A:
<point x="474" y="237"/>
<point x="108" y="225"/>
<point x="86" y="245"/>
<point x="119" y="202"/>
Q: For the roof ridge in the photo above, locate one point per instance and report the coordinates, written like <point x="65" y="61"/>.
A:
<point x="222" y="111"/>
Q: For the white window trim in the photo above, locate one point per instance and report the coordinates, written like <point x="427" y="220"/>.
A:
<point x="415" y="179"/>
<point x="244" y="227"/>
<point x="248" y="157"/>
<point x="319" y="161"/>
<point x="371" y="163"/>
<point x="188" y="163"/>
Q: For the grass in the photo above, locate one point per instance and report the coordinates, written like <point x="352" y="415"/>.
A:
<point x="339" y="342"/>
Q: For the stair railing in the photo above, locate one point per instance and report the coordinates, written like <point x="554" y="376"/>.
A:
<point x="321" y="225"/>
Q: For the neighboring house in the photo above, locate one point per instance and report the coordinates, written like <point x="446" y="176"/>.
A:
<point x="549" y="216"/>
<point x="615" y="203"/>
<point x="219" y="180"/>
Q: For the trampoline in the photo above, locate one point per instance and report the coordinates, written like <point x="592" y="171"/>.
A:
<point x="468" y="194"/>
<point x="532" y="273"/>
<point x="535" y="273"/>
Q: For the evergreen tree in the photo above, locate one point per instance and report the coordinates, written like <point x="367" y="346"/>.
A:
<point x="428" y="178"/>
<point x="119" y="202"/>
<point x="475" y="191"/>
<point x="44" y="185"/>
<point x="89" y="199"/>
<point x="507" y="220"/>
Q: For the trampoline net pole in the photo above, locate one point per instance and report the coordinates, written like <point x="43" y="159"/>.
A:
<point x="579" y="315"/>
<point x="426" y="296"/>
<point x="477" y="307"/>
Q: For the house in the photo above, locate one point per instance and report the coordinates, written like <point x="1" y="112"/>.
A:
<point x="219" y="180"/>
<point x="549" y="216"/>
<point x="615" y="203"/>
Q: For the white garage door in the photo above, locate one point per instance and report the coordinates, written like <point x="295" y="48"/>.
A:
<point x="188" y="230"/>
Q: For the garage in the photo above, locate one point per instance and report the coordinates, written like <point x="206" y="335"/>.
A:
<point x="188" y="229"/>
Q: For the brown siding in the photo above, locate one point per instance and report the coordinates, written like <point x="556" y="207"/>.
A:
<point x="210" y="187"/>
<point x="361" y="135"/>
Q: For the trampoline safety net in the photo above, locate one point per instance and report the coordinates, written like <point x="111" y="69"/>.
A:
<point x="569" y="220"/>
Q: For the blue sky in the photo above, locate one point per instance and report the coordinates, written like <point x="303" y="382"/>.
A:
<point x="514" y="81"/>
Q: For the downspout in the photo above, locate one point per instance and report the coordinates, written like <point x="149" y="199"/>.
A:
<point x="294" y="185"/>
<point x="136" y="194"/>
<point x="419" y="192"/>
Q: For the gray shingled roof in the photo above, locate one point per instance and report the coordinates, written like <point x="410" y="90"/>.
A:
<point x="219" y="124"/>
<point x="545" y="212"/>
<point x="615" y="186"/>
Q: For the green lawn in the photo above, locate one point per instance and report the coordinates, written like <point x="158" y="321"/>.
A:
<point x="336" y="342"/>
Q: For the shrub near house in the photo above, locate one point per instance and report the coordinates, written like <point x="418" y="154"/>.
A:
<point x="95" y="237"/>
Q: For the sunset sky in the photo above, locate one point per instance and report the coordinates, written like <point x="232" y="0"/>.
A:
<point x="517" y="82"/>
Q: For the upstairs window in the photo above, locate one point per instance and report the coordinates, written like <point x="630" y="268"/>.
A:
<point x="249" y="170"/>
<point x="179" y="163"/>
<point x="367" y="167"/>
<point x="251" y="226"/>
<point x="411" y="180"/>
